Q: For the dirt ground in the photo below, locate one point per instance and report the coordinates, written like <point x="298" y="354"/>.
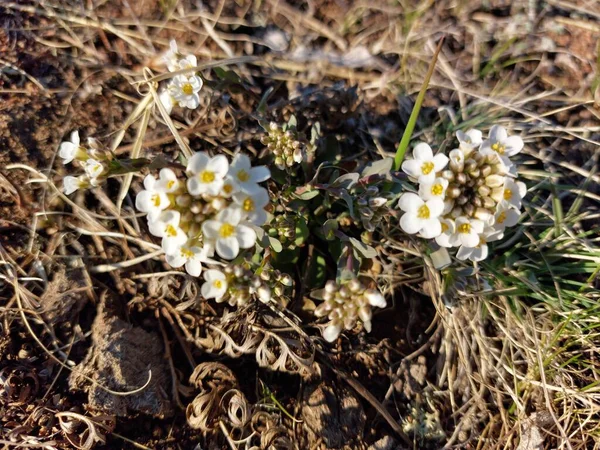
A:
<point x="73" y="343"/>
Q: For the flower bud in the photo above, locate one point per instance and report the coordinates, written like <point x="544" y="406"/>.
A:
<point x="264" y="294"/>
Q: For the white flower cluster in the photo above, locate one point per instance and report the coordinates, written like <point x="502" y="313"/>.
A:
<point x="465" y="199"/>
<point x="183" y="89"/>
<point x="213" y="208"/>
<point x="91" y="158"/>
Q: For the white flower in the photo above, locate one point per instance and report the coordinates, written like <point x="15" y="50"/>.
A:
<point x="436" y="188"/>
<point x="424" y="165"/>
<point x="208" y="173"/>
<point x="153" y="200"/>
<point x="184" y="90"/>
<point x="253" y="205"/>
<point x="420" y="216"/>
<point x="168" y="181"/>
<point x="72" y="184"/>
<point x="505" y="217"/>
<point x="70" y="150"/>
<point x="167" y="100"/>
<point x="469" y="140"/>
<point x="229" y="188"/>
<point x="467" y="232"/>
<point x="501" y="143"/>
<point x="174" y="60"/>
<point x="448" y="230"/>
<point x="332" y="331"/>
<point x="513" y="193"/>
<point x="480" y="251"/>
<point x="191" y="256"/>
<point x="215" y="285"/>
<point x="375" y="298"/>
<point x="93" y="169"/>
<point x="245" y="176"/>
<point x="227" y="234"/>
<point x="166" y="226"/>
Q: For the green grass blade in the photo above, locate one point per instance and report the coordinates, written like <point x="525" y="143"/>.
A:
<point x="415" y="112"/>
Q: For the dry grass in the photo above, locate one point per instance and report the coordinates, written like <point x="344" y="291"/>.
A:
<point x="506" y="366"/>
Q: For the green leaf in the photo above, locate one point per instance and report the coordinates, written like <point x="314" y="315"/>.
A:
<point x="346" y="181"/>
<point x="307" y="195"/>
<point x="348" y="199"/>
<point x="317" y="272"/>
<point x="262" y="105"/>
<point x="227" y="75"/>
<point x="381" y="167"/>
<point x="366" y="250"/>
<point x="302" y="232"/>
<point x="329" y="228"/>
<point x="403" y="146"/>
<point x="275" y="244"/>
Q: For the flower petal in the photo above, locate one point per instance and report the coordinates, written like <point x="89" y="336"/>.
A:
<point x="422" y="152"/>
<point x="410" y="223"/>
<point x="410" y="202"/>
<point x="228" y="248"/>
<point x="193" y="267"/>
<point x="197" y="163"/>
<point x="440" y="161"/>
<point x="412" y="167"/>
<point x="246" y="236"/>
<point x="240" y="162"/>
<point x="431" y="228"/>
<point x="259" y="174"/>
<point x="497" y="134"/>
<point x="436" y="207"/>
<point x="464" y="252"/>
<point x="332" y="332"/>
<point x="513" y="144"/>
<point x="210" y="229"/>
<point x="219" y="165"/>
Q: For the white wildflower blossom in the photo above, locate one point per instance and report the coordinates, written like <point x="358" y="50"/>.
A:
<point x="513" y="193"/>
<point x="166" y="226"/>
<point x="153" y="199"/>
<point x="93" y="169"/>
<point x="253" y="205"/>
<point x="227" y="233"/>
<point x="246" y="177"/>
<point x="480" y="251"/>
<point x="72" y="184"/>
<point x="501" y="143"/>
<point x="470" y="140"/>
<point x="174" y="60"/>
<point x="215" y="285"/>
<point x="190" y="256"/>
<point x="167" y="100"/>
<point x="207" y="173"/>
<point x="448" y="230"/>
<point x="184" y="90"/>
<point x="71" y="150"/>
<point x="505" y="217"/>
<point x="435" y="189"/>
<point x="467" y="231"/>
<point x="424" y="165"/>
<point x="421" y="216"/>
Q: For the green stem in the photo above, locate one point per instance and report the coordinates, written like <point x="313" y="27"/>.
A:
<point x="403" y="146"/>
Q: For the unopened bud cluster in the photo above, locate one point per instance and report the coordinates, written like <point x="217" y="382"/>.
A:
<point x="465" y="199"/>
<point x="287" y="146"/>
<point x="238" y="285"/>
<point x="370" y="207"/>
<point x="346" y="305"/>
<point x="281" y="284"/>
<point x="283" y="228"/>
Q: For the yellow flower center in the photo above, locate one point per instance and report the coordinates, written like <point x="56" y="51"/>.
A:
<point x="156" y="200"/>
<point x="170" y="184"/>
<point x="187" y="89"/>
<point x="444" y="227"/>
<point x="207" y="176"/>
<point x="243" y="176"/>
<point x="481" y="241"/>
<point x="498" y="148"/>
<point x="226" y="230"/>
<point x="218" y="284"/>
<point x="227" y="188"/>
<point x="507" y="194"/>
<point x="501" y="218"/>
<point x="464" y="228"/>
<point x="170" y="231"/>
<point x="186" y="252"/>
<point x="437" y="189"/>
<point x="423" y="212"/>
<point x="248" y="205"/>
<point x="426" y="168"/>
